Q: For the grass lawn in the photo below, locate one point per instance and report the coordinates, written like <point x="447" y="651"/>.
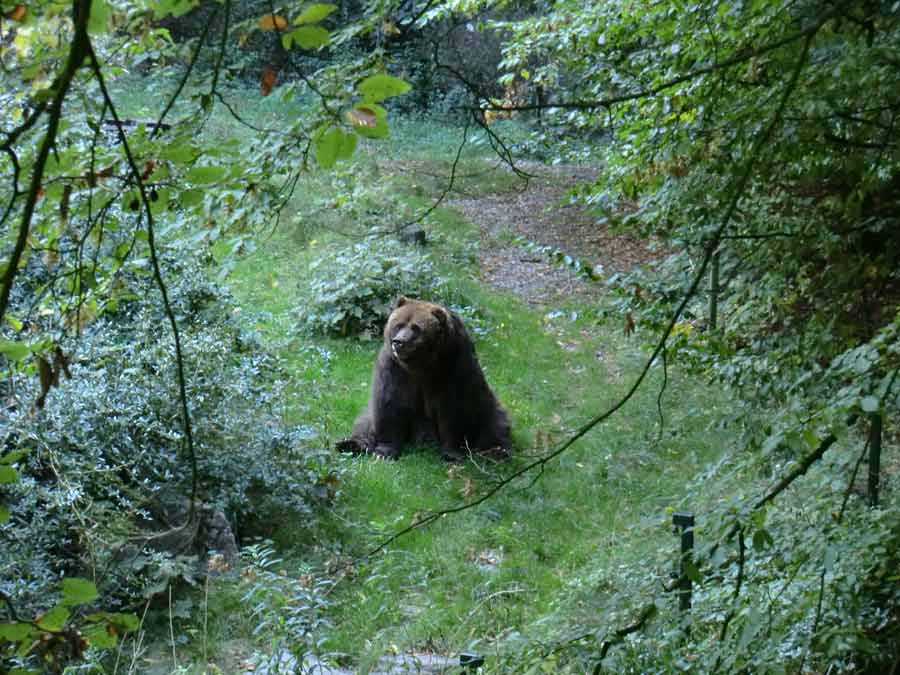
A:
<point x="511" y="567"/>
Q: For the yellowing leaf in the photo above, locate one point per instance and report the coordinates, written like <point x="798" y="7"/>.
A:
<point x="314" y="13"/>
<point x="369" y="120"/>
<point x="362" y="117"/>
<point x="272" y="22"/>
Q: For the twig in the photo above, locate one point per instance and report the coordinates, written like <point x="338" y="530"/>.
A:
<point x="646" y="614"/>
<point x="447" y="188"/>
<point x="800" y="469"/>
<point x="187" y="73"/>
<point x="662" y="390"/>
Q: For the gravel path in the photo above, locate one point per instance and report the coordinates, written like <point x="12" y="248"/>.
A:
<point x="542" y="213"/>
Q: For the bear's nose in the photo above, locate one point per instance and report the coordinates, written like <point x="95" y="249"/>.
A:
<point x="397" y="343"/>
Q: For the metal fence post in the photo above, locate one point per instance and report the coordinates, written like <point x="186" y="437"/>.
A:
<point x="684" y="522"/>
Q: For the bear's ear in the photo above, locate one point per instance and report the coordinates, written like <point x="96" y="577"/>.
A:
<point x="443" y="317"/>
<point x="399" y="302"/>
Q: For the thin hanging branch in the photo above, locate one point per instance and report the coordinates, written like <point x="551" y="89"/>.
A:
<point x="437" y="202"/>
<point x="157" y="275"/>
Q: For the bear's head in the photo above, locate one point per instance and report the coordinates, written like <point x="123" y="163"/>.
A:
<point x="416" y="332"/>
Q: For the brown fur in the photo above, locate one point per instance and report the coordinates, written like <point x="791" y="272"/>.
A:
<point x="427" y="387"/>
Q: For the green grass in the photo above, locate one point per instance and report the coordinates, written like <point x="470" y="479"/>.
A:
<point x="511" y="567"/>
<point x="476" y="578"/>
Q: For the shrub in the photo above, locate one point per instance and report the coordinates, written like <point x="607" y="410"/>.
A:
<point x="109" y="443"/>
<point x="351" y="290"/>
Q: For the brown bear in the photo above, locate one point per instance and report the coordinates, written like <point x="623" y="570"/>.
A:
<point x="427" y="387"/>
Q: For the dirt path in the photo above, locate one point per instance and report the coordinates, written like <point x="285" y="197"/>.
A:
<point x="542" y="213"/>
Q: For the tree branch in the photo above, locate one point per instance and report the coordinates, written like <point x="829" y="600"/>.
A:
<point x="81" y="10"/>
<point x="741" y="57"/>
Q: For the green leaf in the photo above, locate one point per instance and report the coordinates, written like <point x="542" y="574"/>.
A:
<point x="126" y="622"/>
<point x="869" y="404"/>
<point x="99" y="17"/>
<point x="307" y="37"/>
<point x="8" y="475"/>
<point x="54" y="619"/>
<point x="348" y="145"/>
<point x="102" y="636"/>
<point x="314" y="13"/>
<point x="205" y="173"/>
<point x="691" y="571"/>
<point x="326" y="147"/>
<point x="14" y="632"/>
<point x="379" y="87"/>
<point x="333" y="144"/>
<point x="14" y="351"/>
<point x="4" y="514"/>
<point x="13" y="457"/>
<point x="762" y="539"/>
<point x="174" y="7"/>
<point x="179" y="152"/>
<point x="192" y="197"/>
<point x="77" y="591"/>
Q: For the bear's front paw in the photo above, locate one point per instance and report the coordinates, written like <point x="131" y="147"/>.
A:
<point x="452" y="455"/>
<point x="351" y="446"/>
<point x="387" y="451"/>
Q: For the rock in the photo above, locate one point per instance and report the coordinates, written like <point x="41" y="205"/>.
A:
<point x="412" y="234"/>
<point x="395" y="664"/>
<point x="210" y="533"/>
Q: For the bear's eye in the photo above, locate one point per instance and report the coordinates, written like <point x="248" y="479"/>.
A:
<point x="415" y="329"/>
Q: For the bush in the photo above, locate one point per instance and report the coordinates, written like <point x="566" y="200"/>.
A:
<point x="352" y="290"/>
<point x="109" y="444"/>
